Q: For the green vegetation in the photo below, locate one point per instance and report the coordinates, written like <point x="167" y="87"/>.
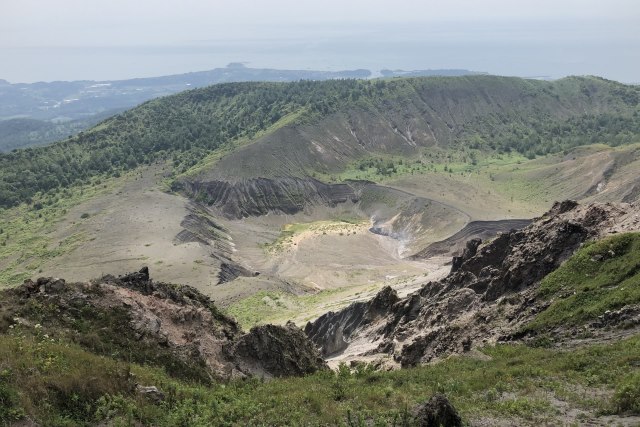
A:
<point x="277" y="307"/>
<point x="383" y="168"/>
<point x="601" y="276"/>
<point x="211" y="159"/>
<point x="183" y="128"/>
<point x="533" y="118"/>
<point x="289" y="232"/>
<point x="59" y="384"/>
<point x="103" y="331"/>
<point x="627" y="396"/>
<point x="23" y="132"/>
<point x="25" y="231"/>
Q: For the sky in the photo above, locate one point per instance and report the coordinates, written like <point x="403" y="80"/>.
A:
<point x="45" y="40"/>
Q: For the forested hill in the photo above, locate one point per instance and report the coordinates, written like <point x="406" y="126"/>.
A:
<point x="482" y="112"/>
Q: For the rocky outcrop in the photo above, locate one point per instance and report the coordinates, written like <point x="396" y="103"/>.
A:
<point x="200" y="227"/>
<point x="175" y="327"/>
<point x="469" y="251"/>
<point x="151" y="393"/>
<point x="230" y="270"/>
<point x="259" y="196"/>
<point x="487" y="296"/>
<point x="332" y="330"/>
<point x="437" y="412"/>
<point x="277" y="351"/>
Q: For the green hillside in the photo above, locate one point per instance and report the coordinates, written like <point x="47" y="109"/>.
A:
<point x="26" y="132"/>
<point x="461" y="113"/>
<point x="602" y="276"/>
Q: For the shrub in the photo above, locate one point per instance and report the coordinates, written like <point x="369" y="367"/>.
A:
<point x="627" y="396"/>
<point x="10" y="409"/>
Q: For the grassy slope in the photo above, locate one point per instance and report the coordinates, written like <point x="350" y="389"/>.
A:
<point x="467" y="115"/>
<point x="601" y="276"/>
<point x="279" y="307"/>
<point x="25" y="242"/>
<point x="58" y="384"/>
<point x="509" y="185"/>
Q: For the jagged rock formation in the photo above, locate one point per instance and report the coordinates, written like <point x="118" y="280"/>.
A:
<point x="172" y="326"/>
<point x="331" y="330"/>
<point x="487" y="296"/>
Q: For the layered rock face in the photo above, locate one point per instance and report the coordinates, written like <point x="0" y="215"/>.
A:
<point x="487" y="296"/>
<point x="180" y="328"/>
<point x="259" y="196"/>
<point x="455" y="244"/>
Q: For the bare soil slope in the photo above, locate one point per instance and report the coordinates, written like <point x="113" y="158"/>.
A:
<point x="135" y="224"/>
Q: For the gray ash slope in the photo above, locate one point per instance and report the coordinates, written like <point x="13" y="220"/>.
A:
<point x="487" y="297"/>
<point x="455" y="245"/>
<point x="260" y="196"/>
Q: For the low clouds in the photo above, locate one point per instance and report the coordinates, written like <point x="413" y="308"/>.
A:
<point x="577" y="27"/>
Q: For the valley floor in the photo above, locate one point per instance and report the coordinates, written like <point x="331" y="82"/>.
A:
<point x="317" y="260"/>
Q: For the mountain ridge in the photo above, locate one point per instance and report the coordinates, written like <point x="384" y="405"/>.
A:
<point x="188" y="126"/>
<point x="67" y="107"/>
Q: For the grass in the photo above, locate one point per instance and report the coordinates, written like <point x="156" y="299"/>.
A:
<point x="104" y="331"/>
<point x="276" y="307"/>
<point x="383" y="168"/>
<point x="25" y="242"/>
<point x="516" y="183"/>
<point x="601" y="276"/>
<point x="505" y="175"/>
<point x="288" y="233"/>
<point x="60" y="384"/>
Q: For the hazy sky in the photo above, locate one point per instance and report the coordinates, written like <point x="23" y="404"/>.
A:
<point x="115" y="39"/>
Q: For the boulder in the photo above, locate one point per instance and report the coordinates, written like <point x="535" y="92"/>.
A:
<point x="29" y="287"/>
<point x="437" y="412"/>
<point x="275" y="351"/>
<point x="151" y="393"/>
<point x="51" y="285"/>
